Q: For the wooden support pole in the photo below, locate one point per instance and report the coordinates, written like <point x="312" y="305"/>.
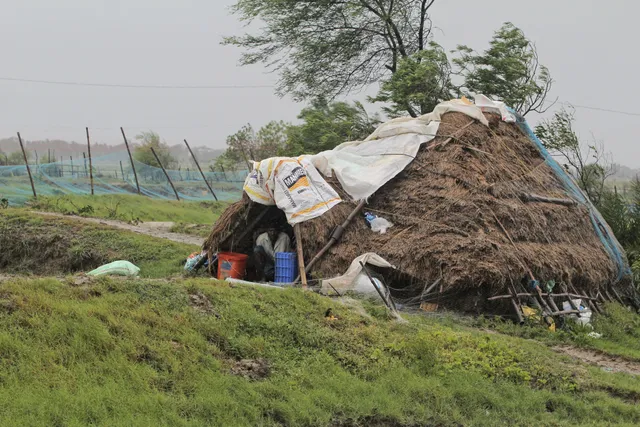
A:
<point x="37" y="162"/>
<point x="48" y="155"/>
<point x="26" y="163"/>
<point x="515" y="302"/>
<point x="84" y="160"/>
<point x="299" y="249"/>
<point x="200" y="169"/>
<point x="542" y="199"/>
<point x="165" y="172"/>
<point x="387" y="301"/>
<point x="122" y="170"/>
<point x="335" y="236"/>
<point x="71" y="159"/>
<point x="133" y="166"/>
<point x="61" y="166"/>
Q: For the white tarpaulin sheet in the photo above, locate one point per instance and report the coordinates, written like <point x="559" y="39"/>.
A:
<point x="363" y="167"/>
<point x="297" y="187"/>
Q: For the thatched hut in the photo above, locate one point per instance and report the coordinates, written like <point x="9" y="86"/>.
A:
<point x="481" y="208"/>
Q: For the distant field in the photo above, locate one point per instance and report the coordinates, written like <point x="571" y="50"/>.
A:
<point x="132" y="208"/>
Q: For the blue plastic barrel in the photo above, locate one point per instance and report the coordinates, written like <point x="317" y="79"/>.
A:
<point x="286" y="267"/>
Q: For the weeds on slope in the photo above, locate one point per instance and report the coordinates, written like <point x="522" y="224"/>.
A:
<point x="123" y="352"/>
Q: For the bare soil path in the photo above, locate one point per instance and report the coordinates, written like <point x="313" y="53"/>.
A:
<point x="604" y="361"/>
<point x="154" y="229"/>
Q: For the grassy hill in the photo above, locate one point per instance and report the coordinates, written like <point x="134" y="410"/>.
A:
<point x="33" y="244"/>
<point x="200" y="352"/>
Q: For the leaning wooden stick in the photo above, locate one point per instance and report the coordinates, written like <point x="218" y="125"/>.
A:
<point x="200" y="169"/>
<point x="133" y="166"/>
<point x="303" y="273"/>
<point x="26" y="163"/>
<point x="90" y="162"/>
<point x="165" y="173"/>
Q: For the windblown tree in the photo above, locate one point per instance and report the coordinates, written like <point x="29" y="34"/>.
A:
<point x="324" y="48"/>
<point x="509" y="71"/>
<point x="326" y="125"/>
<point x="590" y="164"/>
<point x="142" y="153"/>
<point x="421" y="82"/>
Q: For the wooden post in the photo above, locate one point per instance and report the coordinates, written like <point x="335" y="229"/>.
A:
<point x="37" y="162"/>
<point x="26" y="162"/>
<point x="49" y="155"/>
<point x="61" y="166"/>
<point x="90" y="163"/>
<point x="303" y="273"/>
<point x="71" y="158"/>
<point x="135" y="175"/>
<point x="84" y="160"/>
<point x="165" y="172"/>
<point x="122" y="170"/>
<point x="200" y="169"/>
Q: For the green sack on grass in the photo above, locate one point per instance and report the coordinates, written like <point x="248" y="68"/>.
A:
<point x="117" y="268"/>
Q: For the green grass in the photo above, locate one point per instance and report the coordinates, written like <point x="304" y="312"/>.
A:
<point x="33" y="244"/>
<point x="136" y="352"/>
<point x="619" y="327"/>
<point x="132" y="208"/>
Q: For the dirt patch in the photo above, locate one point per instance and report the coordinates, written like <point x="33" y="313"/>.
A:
<point x="201" y="304"/>
<point x="606" y="362"/>
<point x="159" y="230"/>
<point x="253" y="369"/>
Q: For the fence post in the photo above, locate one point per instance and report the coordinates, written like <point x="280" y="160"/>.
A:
<point x="26" y="162"/>
<point x="202" y="173"/>
<point x="135" y="175"/>
<point x="90" y="163"/>
<point x="165" y="172"/>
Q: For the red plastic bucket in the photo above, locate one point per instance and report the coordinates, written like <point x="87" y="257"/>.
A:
<point x="232" y="265"/>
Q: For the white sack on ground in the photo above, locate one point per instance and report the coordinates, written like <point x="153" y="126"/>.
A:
<point x="352" y="280"/>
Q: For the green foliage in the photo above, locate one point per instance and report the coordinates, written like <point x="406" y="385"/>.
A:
<point x="588" y="163"/>
<point x="15" y="158"/>
<point x="329" y="47"/>
<point x="131" y="208"/>
<point x="509" y="71"/>
<point x="247" y="144"/>
<point x="326" y="125"/>
<point x="421" y="82"/>
<point x="142" y="152"/>
<point x="36" y="245"/>
<point x="136" y="352"/>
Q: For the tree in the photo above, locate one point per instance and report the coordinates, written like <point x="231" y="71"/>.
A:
<point x="421" y="82"/>
<point x="330" y="47"/>
<point x="509" y="71"/>
<point x="142" y="153"/>
<point x="327" y="125"/>
<point x="16" y="158"/>
<point x="590" y="164"/>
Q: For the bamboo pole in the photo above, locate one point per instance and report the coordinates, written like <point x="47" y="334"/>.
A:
<point x="71" y="159"/>
<point x="133" y="166"/>
<point x="335" y="236"/>
<point x="26" y="162"/>
<point x="165" y="172"/>
<point x="200" y="169"/>
<point x="122" y="170"/>
<point x="303" y="273"/>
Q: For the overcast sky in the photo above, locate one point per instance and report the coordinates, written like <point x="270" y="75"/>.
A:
<point x="589" y="46"/>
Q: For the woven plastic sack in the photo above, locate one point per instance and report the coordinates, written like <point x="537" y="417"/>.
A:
<point x="117" y="268"/>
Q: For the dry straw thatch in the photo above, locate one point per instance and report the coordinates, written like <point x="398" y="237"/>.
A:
<point x="451" y="207"/>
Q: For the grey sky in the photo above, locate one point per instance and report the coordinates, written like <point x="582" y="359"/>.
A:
<point x="589" y="48"/>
